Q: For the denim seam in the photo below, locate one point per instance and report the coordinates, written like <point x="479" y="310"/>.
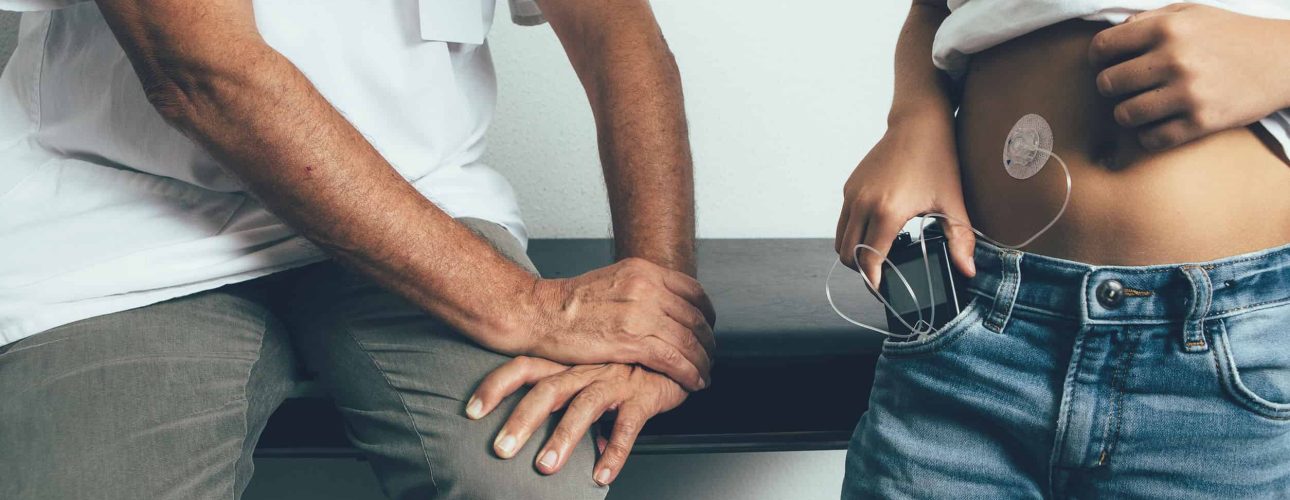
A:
<point x="1156" y="319"/>
<point x="246" y="396"/>
<point x="1007" y="290"/>
<point x="1197" y="323"/>
<point x="1158" y="269"/>
<point x="1260" y="305"/>
<point x="948" y="334"/>
<point x="1043" y="312"/>
<point x="1231" y="381"/>
<point x="1063" y="417"/>
<point x="1084" y="313"/>
<point x="1123" y="370"/>
<point x="402" y="402"/>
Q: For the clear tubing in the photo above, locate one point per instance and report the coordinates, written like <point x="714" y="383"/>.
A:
<point x="922" y="328"/>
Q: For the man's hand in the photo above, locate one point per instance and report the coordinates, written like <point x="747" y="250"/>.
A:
<point x="1186" y="71"/>
<point x="631" y="312"/>
<point x="635" y="394"/>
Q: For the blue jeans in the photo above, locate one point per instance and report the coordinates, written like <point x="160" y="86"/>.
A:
<point x="1065" y="380"/>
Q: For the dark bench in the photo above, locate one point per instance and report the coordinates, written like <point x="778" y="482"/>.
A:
<point x="789" y="374"/>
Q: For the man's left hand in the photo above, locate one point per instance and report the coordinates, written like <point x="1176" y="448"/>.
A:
<point x="590" y="391"/>
<point x="1187" y="71"/>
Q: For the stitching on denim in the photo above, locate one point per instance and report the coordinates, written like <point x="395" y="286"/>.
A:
<point x="1159" y="269"/>
<point x="1015" y="290"/>
<point x="1043" y="312"/>
<point x="403" y="402"/>
<point x="1064" y="409"/>
<point x="1008" y="287"/>
<point x="949" y="333"/>
<point x="1213" y="314"/>
<point x="1269" y="303"/>
<point x="1219" y="314"/>
<point x="1208" y="293"/>
<point x="1209" y="301"/>
<point x="994" y="299"/>
<point x="1230" y="379"/>
<point x="1084" y="296"/>
<point x="1120" y="381"/>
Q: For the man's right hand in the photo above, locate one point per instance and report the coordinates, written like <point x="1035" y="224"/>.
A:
<point x="632" y="312"/>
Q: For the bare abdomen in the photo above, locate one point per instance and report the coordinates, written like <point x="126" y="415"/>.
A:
<point x="1223" y="195"/>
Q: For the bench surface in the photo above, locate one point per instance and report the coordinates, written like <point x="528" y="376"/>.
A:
<point x="789" y="373"/>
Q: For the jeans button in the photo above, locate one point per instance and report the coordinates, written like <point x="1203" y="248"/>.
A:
<point x="1110" y="294"/>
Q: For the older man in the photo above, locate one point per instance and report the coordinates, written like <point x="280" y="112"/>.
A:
<point x="199" y="200"/>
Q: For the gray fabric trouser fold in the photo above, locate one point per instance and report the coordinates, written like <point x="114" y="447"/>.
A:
<point x="168" y="401"/>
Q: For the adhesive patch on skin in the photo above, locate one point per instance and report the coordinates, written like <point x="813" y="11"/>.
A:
<point x="1028" y="147"/>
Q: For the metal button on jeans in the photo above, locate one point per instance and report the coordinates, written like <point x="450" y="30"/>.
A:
<point x="1110" y="293"/>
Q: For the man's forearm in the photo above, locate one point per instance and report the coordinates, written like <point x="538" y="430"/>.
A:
<point x="262" y="119"/>
<point x="634" y="88"/>
<point x="645" y="152"/>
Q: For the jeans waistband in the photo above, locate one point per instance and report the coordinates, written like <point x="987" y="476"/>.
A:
<point x="1123" y="294"/>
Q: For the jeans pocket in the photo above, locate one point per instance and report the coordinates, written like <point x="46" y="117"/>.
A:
<point x="1252" y="353"/>
<point x="940" y="339"/>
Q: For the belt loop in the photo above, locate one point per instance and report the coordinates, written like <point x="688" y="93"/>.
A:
<point x="1006" y="295"/>
<point x="1202" y="294"/>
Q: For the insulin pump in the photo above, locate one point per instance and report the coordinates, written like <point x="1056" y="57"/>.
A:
<point x="923" y="291"/>
<point x="945" y="298"/>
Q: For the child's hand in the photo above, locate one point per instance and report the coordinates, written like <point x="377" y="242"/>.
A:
<point x="913" y="170"/>
<point x="1186" y="71"/>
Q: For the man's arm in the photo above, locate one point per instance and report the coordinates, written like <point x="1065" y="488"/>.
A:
<point x="634" y="88"/>
<point x="209" y="73"/>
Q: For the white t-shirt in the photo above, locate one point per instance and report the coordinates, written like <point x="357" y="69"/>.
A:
<point x="977" y="25"/>
<point x="104" y="207"/>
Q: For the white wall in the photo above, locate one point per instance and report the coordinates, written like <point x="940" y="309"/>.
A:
<point x="784" y="97"/>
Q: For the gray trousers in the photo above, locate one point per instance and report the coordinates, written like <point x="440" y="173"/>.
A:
<point x="168" y="401"/>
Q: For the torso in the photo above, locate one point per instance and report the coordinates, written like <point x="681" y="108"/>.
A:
<point x="1223" y="195"/>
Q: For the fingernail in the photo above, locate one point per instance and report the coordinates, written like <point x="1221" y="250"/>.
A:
<point x="506" y="445"/>
<point x="549" y="459"/>
<point x="703" y="383"/>
<point x="602" y="477"/>
<point x="474" y="408"/>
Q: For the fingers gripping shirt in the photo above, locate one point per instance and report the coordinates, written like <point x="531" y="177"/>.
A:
<point x="976" y="25"/>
